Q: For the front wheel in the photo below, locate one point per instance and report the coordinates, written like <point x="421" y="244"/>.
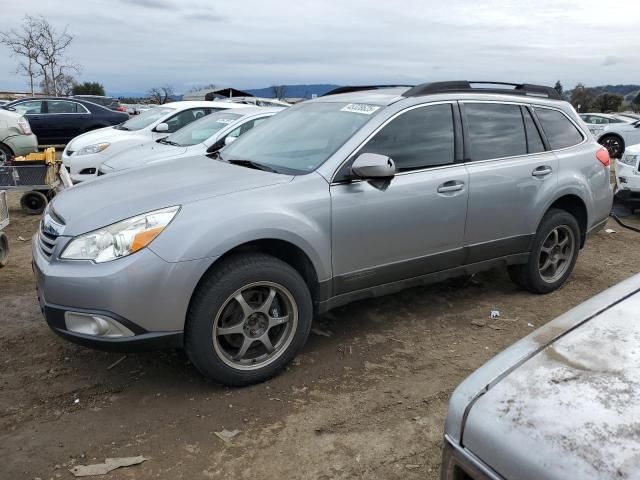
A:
<point x="553" y="256"/>
<point x="248" y="319"/>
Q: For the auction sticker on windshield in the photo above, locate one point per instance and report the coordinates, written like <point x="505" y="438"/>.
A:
<point x="363" y="108"/>
<point x="226" y="121"/>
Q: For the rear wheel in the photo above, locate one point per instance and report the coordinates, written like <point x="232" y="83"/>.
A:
<point x="553" y="256"/>
<point x="248" y="319"/>
<point x="4" y="250"/>
<point x="33" y="203"/>
<point x="613" y="144"/>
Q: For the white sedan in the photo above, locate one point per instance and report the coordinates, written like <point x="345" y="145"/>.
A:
<point x="203" y="137"/>
<point x="85" y="153"/>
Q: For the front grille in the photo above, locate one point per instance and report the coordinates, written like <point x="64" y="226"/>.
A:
<point x="47" y="243"/>
<point x="48" y="237"/>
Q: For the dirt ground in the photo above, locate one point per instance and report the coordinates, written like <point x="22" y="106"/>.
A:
<point x="366" y="398"/>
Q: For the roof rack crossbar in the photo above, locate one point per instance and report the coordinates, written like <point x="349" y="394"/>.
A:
<point x="486" y="87"/>
<point x="359" y="88"/>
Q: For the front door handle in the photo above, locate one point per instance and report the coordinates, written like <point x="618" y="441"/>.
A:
<point x="451" y="186"/>
<point x="542" y="171"/>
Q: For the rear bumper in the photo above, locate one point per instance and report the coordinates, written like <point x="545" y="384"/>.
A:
<point x="22" y="144"/>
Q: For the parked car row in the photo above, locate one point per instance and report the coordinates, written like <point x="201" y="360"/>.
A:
<point x="85" y="153"/>
<point x="230" y="252"/>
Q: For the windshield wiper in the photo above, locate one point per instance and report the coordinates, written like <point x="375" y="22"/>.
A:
<point x="252" y="164"/>
<point x="169" y="142"/>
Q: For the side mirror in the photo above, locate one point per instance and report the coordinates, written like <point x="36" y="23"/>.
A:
<point x="372" y="166"/>
<point x="216" y="146"/>
<point x="229" y="140"/>
<point x="162" y="127"/>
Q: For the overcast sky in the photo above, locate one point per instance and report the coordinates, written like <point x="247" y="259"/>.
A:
<point x="132" y="45"/>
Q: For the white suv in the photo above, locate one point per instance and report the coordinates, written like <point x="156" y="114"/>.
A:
<point x="84" y="154"/>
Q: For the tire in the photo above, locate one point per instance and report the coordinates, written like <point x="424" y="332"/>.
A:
<point x="33" y="203"/>
<point x="5" y="154"/>
<point x="538" y="275"/>
<point x="284" y="317"/>
<point x="4" y="250"/>
<point x="614" y="144"/>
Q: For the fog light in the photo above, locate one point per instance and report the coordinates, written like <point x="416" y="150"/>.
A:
<point x="95" y="325"/>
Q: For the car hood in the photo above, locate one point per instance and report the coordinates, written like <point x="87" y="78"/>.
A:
<point x="117" y="196"/>
<point x="572" y="407"/>
<point x="142" y="154"/>
<point x="106" y="134"/>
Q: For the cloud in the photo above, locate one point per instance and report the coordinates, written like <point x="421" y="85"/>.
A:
<point x="136" y="44"/>
<point x="610" y="60"/>
<point x="204" y="17"/>
<point x="153" y="4"/>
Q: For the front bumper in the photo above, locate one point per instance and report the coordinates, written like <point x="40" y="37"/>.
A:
<point x="83" y="167"/>
<point x="628" y="183"/>
<point x="142" y="292"/>
<point x="22" y="144"/>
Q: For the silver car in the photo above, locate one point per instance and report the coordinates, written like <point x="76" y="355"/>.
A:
<point x="560" y="403"/>
<point x="341" y="198"/>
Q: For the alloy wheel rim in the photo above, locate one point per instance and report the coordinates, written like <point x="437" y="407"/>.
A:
<point x="613" y="145"/>
<point x="255" y="325"/>
<point x="556" y="254"/>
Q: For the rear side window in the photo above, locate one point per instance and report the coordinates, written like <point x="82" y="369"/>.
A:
<point x="560" y="131"/>
<point x="534" y="141"/>
<point x="422" y="137"/>
<point x="63" y="106"/>
<point x="495" y="130"/>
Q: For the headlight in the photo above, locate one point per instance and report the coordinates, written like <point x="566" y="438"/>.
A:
<point x="630" y="159"/>
<point x="120" y="239"/>
<point x="89" y="149"/>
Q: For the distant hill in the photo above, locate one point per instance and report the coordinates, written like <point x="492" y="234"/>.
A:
<point x="294" y="91"/>
<point x="629" y="92"/>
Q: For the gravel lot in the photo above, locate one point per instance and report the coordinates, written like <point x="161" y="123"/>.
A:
<point x="366" y="398"/>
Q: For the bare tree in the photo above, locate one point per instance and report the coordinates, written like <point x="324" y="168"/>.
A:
<point x="278" y="91"/>
<point x="160" y="95"/>
<point x="23" y="45"/>
<point x="42" y="50"/>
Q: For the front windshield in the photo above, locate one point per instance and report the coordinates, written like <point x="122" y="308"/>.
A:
<point x="145" y="119"/>
<point x="301" y="138"/>
<point x="202" y="129"/>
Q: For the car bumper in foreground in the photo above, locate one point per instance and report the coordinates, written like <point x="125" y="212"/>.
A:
<point x="136" y="302"/>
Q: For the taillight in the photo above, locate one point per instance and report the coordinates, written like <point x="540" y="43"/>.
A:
<point x="121" y="109"/>
<point x="603" y="156"/>
<point x="25" y="128"/>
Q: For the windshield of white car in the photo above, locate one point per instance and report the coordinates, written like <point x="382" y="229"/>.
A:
<point x="202" y="129"/>
<point x="145" y="119"/>
<point x="301" y="138"/>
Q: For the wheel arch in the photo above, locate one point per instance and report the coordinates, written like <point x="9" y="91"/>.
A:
<point x="576" y="206"/>
<point x="285" y="250"/>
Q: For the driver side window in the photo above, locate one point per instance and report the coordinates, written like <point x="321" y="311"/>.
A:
<point x="419" y="138"/>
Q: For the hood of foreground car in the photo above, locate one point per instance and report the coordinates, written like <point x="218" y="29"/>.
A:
<point x="142" y="154"/>
<point x="117" y="196"/>
<point x="572" y="409"/>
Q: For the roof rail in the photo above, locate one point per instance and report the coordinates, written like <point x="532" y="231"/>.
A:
<point x="491" y="87"/>
<point x="359" y="88"/>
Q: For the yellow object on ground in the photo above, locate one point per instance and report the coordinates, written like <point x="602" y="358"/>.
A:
<point x="48" y="157"/>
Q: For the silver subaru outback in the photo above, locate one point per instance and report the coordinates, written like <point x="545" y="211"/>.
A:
<point x="345" y="197"/>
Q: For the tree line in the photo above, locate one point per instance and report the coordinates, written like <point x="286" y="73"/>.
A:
<point x="585" y="99"/>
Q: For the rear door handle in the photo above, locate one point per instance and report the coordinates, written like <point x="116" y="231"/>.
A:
<point x="451" y="186"/>
<point x="542" y="171"/>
